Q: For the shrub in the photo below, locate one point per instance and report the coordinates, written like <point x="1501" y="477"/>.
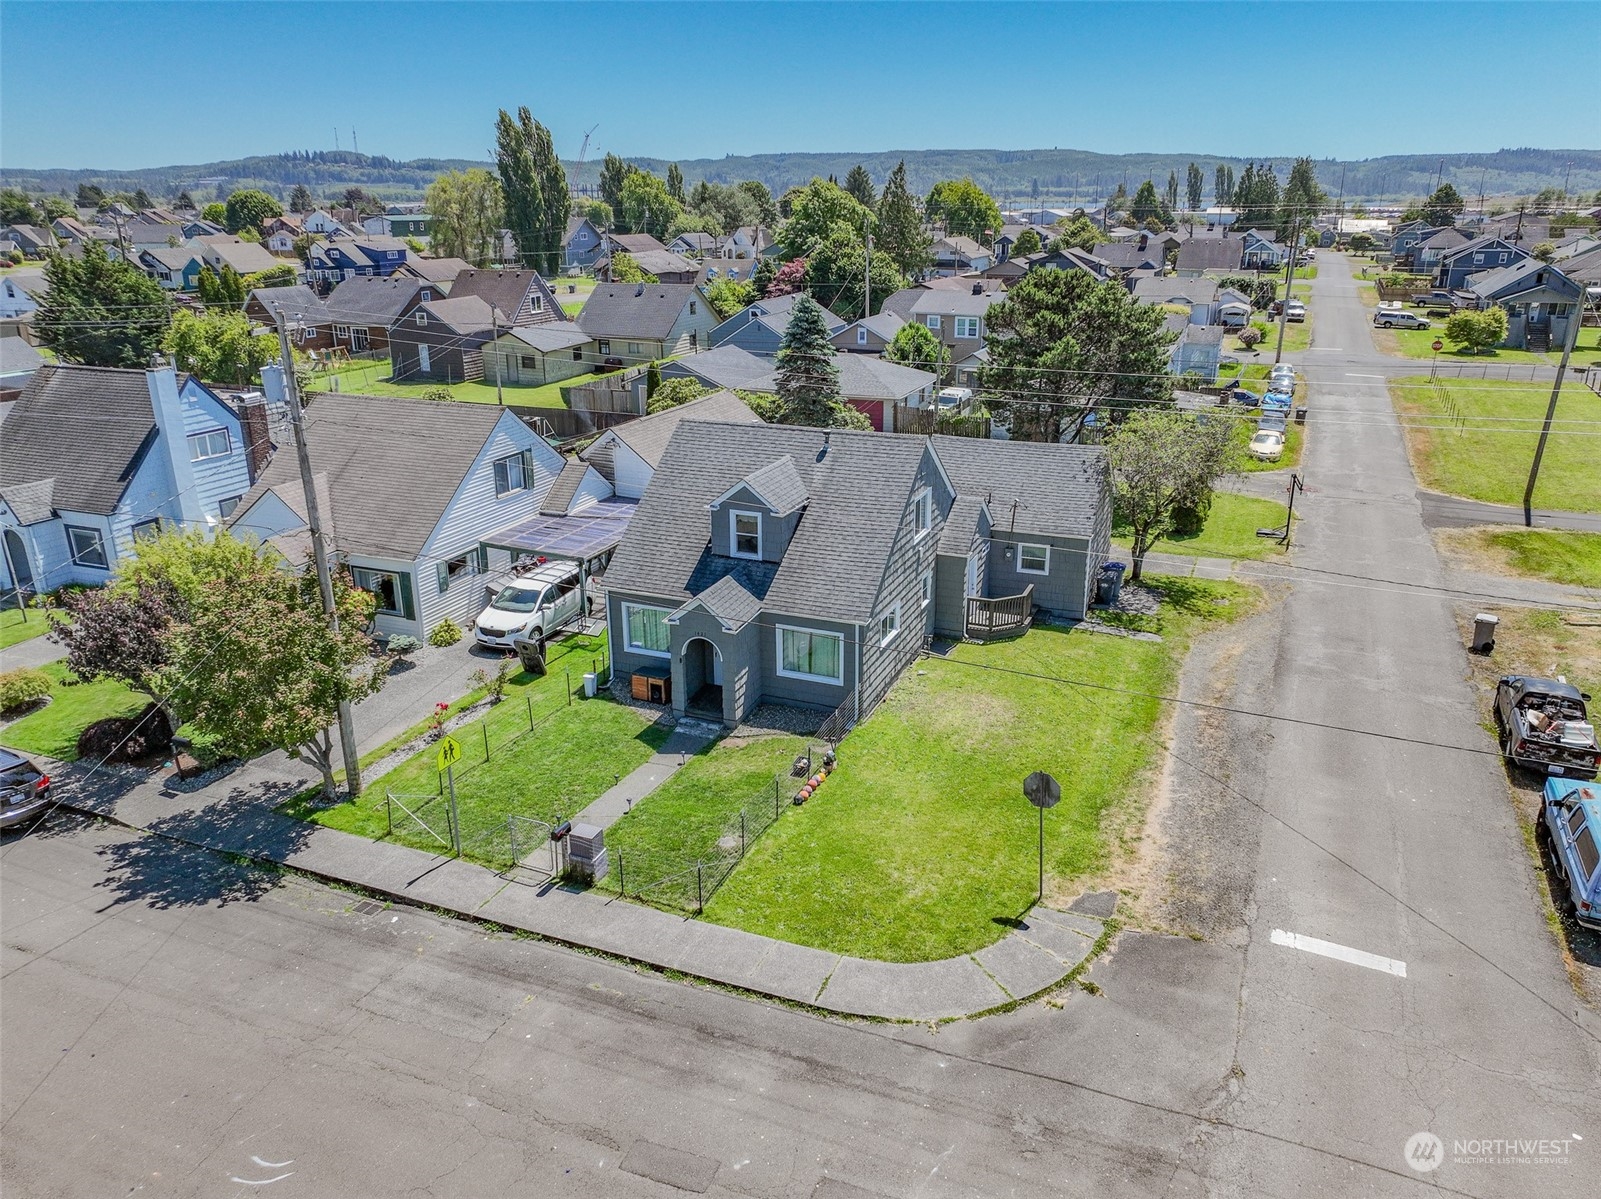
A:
<point x="21" y="687"/>
<point x="494" y="684"/>
<point x="127" y="738"/>
<point x="446" y="632"/>
<point x="1249" y="336"/>
<point x="1190" y="519"/>
<point x="437" y="393"/>
<point x="208" y="750"/>
<point x="401" y="645"/>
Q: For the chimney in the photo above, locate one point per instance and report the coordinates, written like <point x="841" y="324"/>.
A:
<point x="253" y="426"/>
<point x="978" y="289"/>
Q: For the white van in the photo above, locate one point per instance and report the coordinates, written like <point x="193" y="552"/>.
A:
<point x="1399" y="318"/>
<point x="955" y="398"/>
<point x="533" y="605"/>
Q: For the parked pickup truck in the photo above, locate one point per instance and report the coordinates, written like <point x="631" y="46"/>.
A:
<point x="1439" y="298"/>
<point x="1544" y="726"/>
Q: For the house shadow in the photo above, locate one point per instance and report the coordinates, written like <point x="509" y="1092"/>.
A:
<point x="200" y="857"/>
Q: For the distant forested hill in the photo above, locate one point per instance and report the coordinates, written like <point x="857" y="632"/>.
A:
<point x="1012" y="175"/>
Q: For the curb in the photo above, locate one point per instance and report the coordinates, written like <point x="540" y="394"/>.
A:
<point x="1111" y="927"/>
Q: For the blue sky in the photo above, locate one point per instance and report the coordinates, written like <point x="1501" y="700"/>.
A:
<point x="132" y="85"/>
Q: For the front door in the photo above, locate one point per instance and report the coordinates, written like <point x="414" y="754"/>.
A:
<point x="423" y="363"/>
<point x="972" y="574"/>
<point x="17" y="559"/>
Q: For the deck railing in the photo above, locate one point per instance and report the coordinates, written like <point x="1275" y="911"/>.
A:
<point x="1001" y="617"/>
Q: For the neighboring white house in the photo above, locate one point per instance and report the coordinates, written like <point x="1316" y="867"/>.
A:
<point x="626" y="455"/>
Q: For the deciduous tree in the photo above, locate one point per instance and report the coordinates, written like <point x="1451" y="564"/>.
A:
<point x="1027" y="242"/>
<point x="672" y="393"/>
<point x="675" y="183"/>
<point x="1303" y="198"/>
<point x="468" y="213"/>
<point x="1080" y="233"/>
<point x="534" y="186"/>
<point x="1477" y="330"/>
<point x="815" y="213"/>
<point x="100" y="311"/>
<point x="216" y="212"/>
<point x="247" y="209"/>
<point x="1162" y="462"/>
<point x="646" y="205"/>
<point x="835" y="271"/>
<point x="1062" y="345"/>
<point x="614" y="173"/>
<point x="965" y="210"/>
<point x="1145" y="206"/>
<point x="219" y="346"/>
<point x="729" y="296"/>
<point x="916" y="346"/>
<point x="1194" y="187"/>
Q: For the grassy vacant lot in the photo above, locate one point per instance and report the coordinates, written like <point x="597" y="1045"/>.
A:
<point x="1418" y="343"/>
<point x="574" y="753"/>
<point x="1229" y="532"/>
<point x="921" y="845"/>
<point x="53" y="730"/>
<point x="372" y="378"/>
<point x="1488" y="457"/>
<point x="1297" y="337"/>
<point x="681" y="821"/>
<point x="17" y="626"/>
<point x="572" y="302"/>
<point x="1562" y="557"/>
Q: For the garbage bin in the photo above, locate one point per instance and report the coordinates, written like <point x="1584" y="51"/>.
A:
<point x="590" y="684"/>
<point x="1484" y="632"/>
<point x="531" y="653"/>
<point x="1300" y="415"/>
<point x="1109" y="585"/>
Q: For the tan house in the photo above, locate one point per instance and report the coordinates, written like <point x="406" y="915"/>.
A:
<point x="632" y="323"/>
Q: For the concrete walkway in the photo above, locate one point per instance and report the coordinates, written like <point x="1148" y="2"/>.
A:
<point x="237" y="814"/>
<point x="36" y="651"/>
<point x="689" y="737"/>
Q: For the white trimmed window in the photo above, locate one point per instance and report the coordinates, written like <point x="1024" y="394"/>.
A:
<point x="214" y="443"/>
<point x="88" y="549"/>
<point x="645" y="630"/>
<point x="1034" y="559"/>
<point x="967" y="326"/>
<point x="422" y="317"/>
<point x="514" y="473"/>
<point x="928" y="588"/>
<point x="861" y="336"/>
<point x="745" y="534"/>
<point x="932" y="322"/>
<point x="922" y="513"/>
<point x="888" y="625"/>
<point x="810" y="655"/>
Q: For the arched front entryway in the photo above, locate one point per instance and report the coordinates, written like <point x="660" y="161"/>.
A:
<point x="17" y="561"/>
<point x="703" y="679"/>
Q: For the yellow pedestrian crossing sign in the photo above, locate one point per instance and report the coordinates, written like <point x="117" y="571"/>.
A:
<point x="449" y="752"/>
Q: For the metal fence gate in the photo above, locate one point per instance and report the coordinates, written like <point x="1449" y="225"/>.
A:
<point x="532" y="850"/>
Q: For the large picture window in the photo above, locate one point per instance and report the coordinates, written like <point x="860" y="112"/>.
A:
<point x="645" y="630"/>
<point x="807" y="654"/>
<point x="87" y="547"/>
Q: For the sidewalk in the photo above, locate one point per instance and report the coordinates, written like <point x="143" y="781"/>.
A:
<point x="236" y="814"/>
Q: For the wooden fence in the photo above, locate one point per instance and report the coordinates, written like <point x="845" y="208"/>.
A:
<point x="926" y="420"/>
<point x="563" y="424"/>
<point x="614" y="393"/>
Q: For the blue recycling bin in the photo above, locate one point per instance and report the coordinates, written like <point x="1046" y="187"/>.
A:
<point x="1109" y="584"/>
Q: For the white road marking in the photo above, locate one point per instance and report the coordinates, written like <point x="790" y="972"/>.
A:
<point x="272" y="1165"/>
<point x="1342" y="953"/>
<point x="259" y="1182"/>
<point x="1354" y="375"/>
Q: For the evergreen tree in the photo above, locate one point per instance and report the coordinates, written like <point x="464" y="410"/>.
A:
<point x="1146" y="206"/>
<point x="1256" y="195"/>
<point x="1302" y="198"/>
<point x="675" y="183"/>
<point x="614" y="173"/>
<point x="807" y="380"/>
<point x="1194" y="186"/>
<point x="900" y="236"/>
<point x="1444" y="206"/>
<point x="860" y="185"/>
<point x="100" y="311"/>
<point x="300" y="199"/>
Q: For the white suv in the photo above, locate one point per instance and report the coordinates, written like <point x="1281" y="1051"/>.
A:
<point x="533" y="605"/>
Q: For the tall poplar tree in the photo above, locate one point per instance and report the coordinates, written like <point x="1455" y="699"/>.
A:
<point x="675" y="183"/>
<point x="535" y="189"/>
<point x="1195" y="187"/>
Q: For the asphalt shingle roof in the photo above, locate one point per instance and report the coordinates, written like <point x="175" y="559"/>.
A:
<point x="624" y="310"/>
<point x="17" y="356"/>
<point x="392" y="466"/>
<point x="648" y="436"/>
<point x="779" y="485"/>
<point x="1058" y="488"/>
<point x="89" y="473"/>
<point x="1211" y="254"/>
<point x="728" y="601"/>
<point x="371" y="299"/>
<point x="551" y="336"/>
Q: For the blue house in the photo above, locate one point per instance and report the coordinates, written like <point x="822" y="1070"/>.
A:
<point x="345" y="258"/>
<point x="1541" y="303"/>
<point x="760" y="328"/>
<point x="1474" y="258"/>
<point x="583" y="244"/>
<point x="164" y="450"/>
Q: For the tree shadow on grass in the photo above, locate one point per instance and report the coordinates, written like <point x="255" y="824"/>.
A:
<point x="197" y="858"/>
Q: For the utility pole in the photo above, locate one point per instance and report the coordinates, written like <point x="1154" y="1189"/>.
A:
<point x="1289" y="284"/>
<point x="494" y="321"/>
<point x="1574" y="324"/>
<point x="867" y="273"/>
<point x="319" y="548"/>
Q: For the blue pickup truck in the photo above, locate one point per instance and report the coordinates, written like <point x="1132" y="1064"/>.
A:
<point x="1570" y="830"/>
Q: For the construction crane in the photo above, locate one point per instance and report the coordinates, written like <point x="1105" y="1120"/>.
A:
<point x="583" y="151"/>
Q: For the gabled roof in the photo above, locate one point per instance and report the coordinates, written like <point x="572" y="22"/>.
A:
<point x="699" y="242"/>
<point x="942" y="302"/>
<point x="43" y="438"/>
<point x="510" y="291"/>
<point x="664" y="262"/>
<point x="648" y="436"/>
<point x="1506" y="282"/>
<point x="174" y="258"/>
<point x="961" y="525"/>
<point x="642" y="310"/>
<point x="1479" y="244"/>
<point x="550" y="337"/>
<point x="1127" y="255"/>
<point x="778" y="485"/>
<point x="371" y="299"/>
<point x="727" y="366"/>
<point x="635" y="243"/>
<point x="1162" y="290"/>
<point x="435" y="270"/>
<point x="566" y="486"/>
<point x="362" y="445"/>
<point x="858" y="483"/>
<point x="1443" y="239"/>
<point x="465" y="314"/>
<point x="17" y="356"/>
<point x="246" y="257"/>
<point x="294" y="301"/>
<point x="1211" y="253"/>
<point x="881" y="324"/>
<point x="1057" y="488"/>
<point x="727" y="601"/>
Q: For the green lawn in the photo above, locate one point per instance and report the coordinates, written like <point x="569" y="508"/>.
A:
<point x="1562" y="557"/>
<point x="1418" y="343"/>
<point x="372" y="378"/>
<point x="53" y="730"/>
<point x="1297" y="337"/>
<point x="681" y="821"/>
<point x="576" y="752"/>
<point x="1229" y="532"/>
<point x="17" y="626"/>
<point x="921" y="846"/>
<point x="1488" y="458"/>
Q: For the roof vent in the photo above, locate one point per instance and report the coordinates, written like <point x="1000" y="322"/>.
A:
<point x="639" y="289"/>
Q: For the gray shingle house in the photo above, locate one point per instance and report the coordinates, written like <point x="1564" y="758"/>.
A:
<point x="636" y="322"/>
<point x="802" y="566"/>
<point x="760" y="327"/>
<point x="1541" y="303"/>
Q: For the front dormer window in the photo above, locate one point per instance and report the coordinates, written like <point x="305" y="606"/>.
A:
<point x="422" y="318"/>
<point x="745" y="534"/>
